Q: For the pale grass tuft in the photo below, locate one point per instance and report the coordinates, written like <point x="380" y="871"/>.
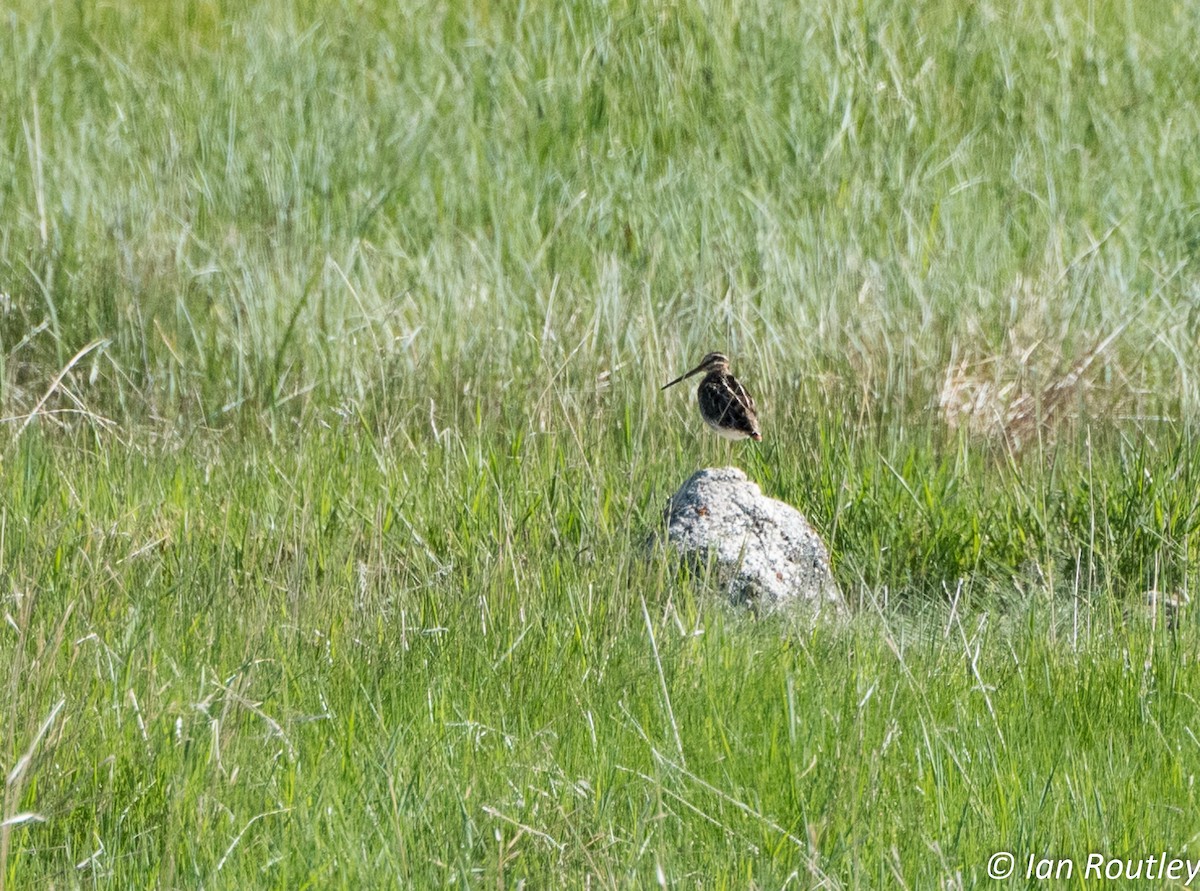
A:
<point x="1164" y="607"/>
<point x="1028" y="393"/>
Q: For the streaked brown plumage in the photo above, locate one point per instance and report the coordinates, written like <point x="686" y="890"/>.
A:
<point x="724" y="403"/>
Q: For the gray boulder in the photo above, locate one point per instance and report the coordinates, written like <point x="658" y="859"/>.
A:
<point x="767" y="555"/>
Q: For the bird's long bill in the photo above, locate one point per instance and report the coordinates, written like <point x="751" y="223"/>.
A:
<point x="684" y="377"/>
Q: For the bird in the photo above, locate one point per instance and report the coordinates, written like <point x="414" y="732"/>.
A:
<point x="724" y="403"/>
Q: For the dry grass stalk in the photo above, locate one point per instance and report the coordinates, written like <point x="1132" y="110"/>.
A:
<point x="1011" y="398"/>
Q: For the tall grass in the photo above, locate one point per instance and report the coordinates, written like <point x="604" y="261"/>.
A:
<point x="332" y="336"/>
<point x="247" y="205"/>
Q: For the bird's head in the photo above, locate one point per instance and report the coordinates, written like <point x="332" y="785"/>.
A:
<point x="711" y="362"/>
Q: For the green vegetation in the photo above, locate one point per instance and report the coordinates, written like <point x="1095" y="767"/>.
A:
<point x="331" y="337"/>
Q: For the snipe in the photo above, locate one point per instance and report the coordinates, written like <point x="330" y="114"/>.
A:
<point x="724" y="403"/>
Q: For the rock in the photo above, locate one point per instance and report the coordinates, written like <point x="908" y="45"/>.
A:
<point x="767" y="554"/>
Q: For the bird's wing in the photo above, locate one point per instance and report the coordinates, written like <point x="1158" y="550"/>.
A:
<point x="741" y="394"/>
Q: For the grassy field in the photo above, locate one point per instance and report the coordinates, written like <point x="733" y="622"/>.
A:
<point x="330" y="344"/>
